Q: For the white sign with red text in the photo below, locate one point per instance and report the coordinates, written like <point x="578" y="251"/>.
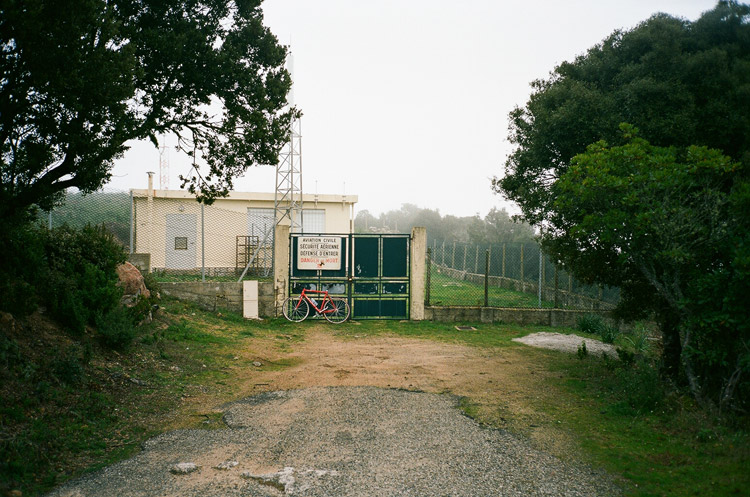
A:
<point x="319" y="252"/>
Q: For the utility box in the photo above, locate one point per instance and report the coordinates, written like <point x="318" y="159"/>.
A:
<point x="250" y="299"/>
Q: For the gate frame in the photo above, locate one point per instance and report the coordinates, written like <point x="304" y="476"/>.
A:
<point x="416" y="269"/>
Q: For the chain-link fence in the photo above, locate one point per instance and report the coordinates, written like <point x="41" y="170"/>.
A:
<point x="178" y="238"/>
<point x="506" y="275"/>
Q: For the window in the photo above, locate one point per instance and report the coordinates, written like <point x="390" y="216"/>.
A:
<point x="314" y="221"/>
<point x="180" y="243"/>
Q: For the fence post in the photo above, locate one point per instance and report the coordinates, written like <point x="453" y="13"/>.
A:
<point x="132" y="220"/>
<point x="463" y="268"/>
<point x="50" y="220"/>
<point x="429" y="275"/>
<point x="522" y="263"/>
<point x="476" y="261"/>
<point x="487" y="279"/>
<point x="203" y="244"/>
<point x="443" y="252"/>
<point x="453" y="257"/>
<point x="540" y="277"/>
<point x="557" y="286"/>
<point x="503" y="260"/>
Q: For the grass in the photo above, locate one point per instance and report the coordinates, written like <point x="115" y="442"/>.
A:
<point x="654" y="437"/>
<point x="70" y="406"/>
<point x="62" y="418"/>
<point x="447" y="291"/>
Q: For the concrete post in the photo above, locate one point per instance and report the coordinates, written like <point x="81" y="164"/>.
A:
<point x="280" y="266"/>
<point x="417" y="272"/>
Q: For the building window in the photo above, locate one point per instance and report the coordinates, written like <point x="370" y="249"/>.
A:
<point x="314" y="221"/>
<point x="180" y="243"/>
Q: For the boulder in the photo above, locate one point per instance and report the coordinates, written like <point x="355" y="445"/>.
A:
<point x="131" y="280"/>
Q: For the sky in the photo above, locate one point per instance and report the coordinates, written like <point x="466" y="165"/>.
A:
<point x="407" y="101"/>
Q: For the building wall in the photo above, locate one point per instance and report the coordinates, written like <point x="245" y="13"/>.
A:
<point x="224" y="221"/>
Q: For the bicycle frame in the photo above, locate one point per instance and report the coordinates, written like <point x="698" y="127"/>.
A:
<point x="326" y="298"/>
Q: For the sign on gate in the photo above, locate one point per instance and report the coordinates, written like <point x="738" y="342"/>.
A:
<point x="319" y="252"/>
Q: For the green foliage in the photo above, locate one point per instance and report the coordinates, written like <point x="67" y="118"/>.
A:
<point x="116" y="328"/>
<point x="609" y="333"/>
<point x="591" y="324"/>
<point x="668" y="226"/>
<point x="81" y="273"/>
<point x="68" y="367"/>
<point x="582" y="351"/>
<point x="497" y="226"/>
<point x="86" y="81"/>
<point x="638" y="338"/>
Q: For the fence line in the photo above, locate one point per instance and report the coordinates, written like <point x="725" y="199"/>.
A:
<point x="514" y="275"/>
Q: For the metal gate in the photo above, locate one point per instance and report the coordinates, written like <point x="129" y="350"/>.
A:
<point x="370" y="270"/>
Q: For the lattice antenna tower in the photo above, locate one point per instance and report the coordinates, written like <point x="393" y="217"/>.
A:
<point x="163" y="164"/>
<point x="288" y="195"/>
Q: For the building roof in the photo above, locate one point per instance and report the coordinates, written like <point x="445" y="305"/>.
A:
<point x="247" y="196"/>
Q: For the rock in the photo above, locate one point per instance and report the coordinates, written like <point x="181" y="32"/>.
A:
<point x="7" y="322"/>
<point x="131" y="280"/>
<point x="257" y="364"/>
<point x="226" y="465"/>
<point x="183" y="468"/>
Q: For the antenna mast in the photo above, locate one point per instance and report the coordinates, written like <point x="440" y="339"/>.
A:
<point x="163" y="164"/>
<point x="288" y="195"/>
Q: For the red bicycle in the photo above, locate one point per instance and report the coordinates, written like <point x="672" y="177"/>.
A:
<point x="335" y="310"/>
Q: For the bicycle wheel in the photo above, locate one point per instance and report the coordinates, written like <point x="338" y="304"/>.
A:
<point x="340" y="312"/>
<point x="294" y="312"/>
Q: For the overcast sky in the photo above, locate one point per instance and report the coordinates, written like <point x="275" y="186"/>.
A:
<point x="407" y="101"/>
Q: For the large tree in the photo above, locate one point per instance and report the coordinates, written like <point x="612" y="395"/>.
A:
<point x="681" y="83"/>
<point x="79" y="80"/>
<point x="663" y="219"/>
<point x="668" y="226"/>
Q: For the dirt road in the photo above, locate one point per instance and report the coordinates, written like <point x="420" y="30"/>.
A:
<point x="367" y="416"/>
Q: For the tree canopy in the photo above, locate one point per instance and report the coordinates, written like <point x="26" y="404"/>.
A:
<point x="497" y="226"/>
<point x="681" y="83"/>
<point x="666" y="225"/>
<point x="662" y="213"/>
<point x="80" y="81"/>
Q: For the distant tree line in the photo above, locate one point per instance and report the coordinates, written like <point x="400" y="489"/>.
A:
<point x="495" y="227"/>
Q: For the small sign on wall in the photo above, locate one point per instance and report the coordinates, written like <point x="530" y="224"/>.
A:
<point x="319" y="252"/>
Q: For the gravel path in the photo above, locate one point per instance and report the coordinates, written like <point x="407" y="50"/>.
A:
<point x="342" y="441"/>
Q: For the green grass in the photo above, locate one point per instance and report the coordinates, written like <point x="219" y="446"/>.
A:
<point x="446" y="291"/>
<point x="620" y="416"/>
<point x="655" y="437"/>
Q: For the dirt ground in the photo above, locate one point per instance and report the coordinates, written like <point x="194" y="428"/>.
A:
<point x="503" y="385"/>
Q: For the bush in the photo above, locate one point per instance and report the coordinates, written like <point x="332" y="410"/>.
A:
<point x="68" y="368"/>
<point x="591" y="323"/>
<point x="116" y="328"/>
<point x="609" y="333"/>
<point x="80" y="278"/>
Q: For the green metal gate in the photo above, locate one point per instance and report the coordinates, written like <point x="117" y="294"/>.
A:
<point x="372" y="272"/>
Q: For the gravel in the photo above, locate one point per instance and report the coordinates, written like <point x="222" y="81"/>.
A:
<point x="566" y="343"/>
<point x="343" y="441"/>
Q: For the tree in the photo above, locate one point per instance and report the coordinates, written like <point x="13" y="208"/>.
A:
<point x="680" y="83"/>
<point x="498" y="226"/>
<point x="79" y="82"/>
<point x="668" y="226"/>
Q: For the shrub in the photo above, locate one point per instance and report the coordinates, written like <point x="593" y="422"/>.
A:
<point x="68" y="368"/>
<point x="608" y="333"/>
<point x="582" y="351"/>
<point x="116" y="328"/>
<point x="591" y="323"/>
